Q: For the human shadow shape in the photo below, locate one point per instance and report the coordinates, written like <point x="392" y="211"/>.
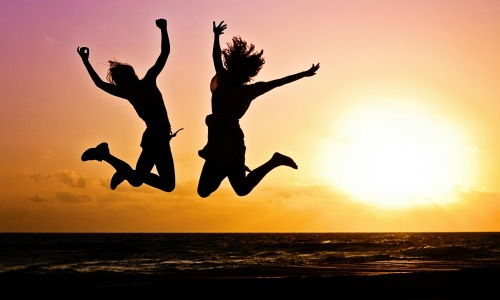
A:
<point x="232" y="94"/>
<point x="147" y="100"/>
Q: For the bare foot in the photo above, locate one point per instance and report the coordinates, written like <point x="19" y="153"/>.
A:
<point x="283" y="160"/>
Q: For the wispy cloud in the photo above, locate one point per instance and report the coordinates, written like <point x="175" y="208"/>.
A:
<point x="72" y="198"/>
<point x="71" y="178"/>
<point x="33" y="174"/>
<point x="37" y="198"/>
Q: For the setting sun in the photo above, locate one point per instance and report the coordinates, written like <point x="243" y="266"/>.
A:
<point x="399" y="155"/>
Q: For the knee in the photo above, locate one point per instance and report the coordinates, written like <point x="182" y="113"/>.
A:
<point x="241" y="191"/>
<point x="168" y="187"/>
<point x="203" y="193"/>
<point x="134" y="179"/>
<point x="135" y="182"/>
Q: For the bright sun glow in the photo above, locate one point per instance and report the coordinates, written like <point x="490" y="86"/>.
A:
<point x="398" y="156"/>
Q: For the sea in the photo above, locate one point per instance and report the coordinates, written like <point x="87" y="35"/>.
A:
<point x="247" y="254"/>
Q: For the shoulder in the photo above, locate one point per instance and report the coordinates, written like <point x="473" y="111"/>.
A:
<point x="220" y="79"/>
<point x="149" y="77"/>
<point x="214" y="83"/>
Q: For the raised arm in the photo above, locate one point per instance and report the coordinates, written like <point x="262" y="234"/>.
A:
<point x="155" y="70"/>
<point x="84" y="54"/>
<point x="264" y="87"/>
<point x="105" y="86"/>
<point x="216" y="52"/>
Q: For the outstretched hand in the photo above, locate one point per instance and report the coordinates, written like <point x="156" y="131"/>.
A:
<point x="219" y="29"/>
<point x="312" y="70"/>
<point x="161" y="23"/>
<point x="83" y="52"/>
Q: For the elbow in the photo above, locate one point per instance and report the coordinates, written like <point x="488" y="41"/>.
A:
<point x="165" y="49"/>
<point x="164" y="54"/>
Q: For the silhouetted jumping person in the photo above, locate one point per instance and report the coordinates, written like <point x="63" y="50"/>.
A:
<point x="147" y="101"/>
<point x="232" y="94"/>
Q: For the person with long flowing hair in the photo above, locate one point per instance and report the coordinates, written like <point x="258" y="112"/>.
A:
<point x="232" y="93"/>
<point x="147" y="101"/>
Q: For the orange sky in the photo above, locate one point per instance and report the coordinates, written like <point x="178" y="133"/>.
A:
<point x="395" y="76"/>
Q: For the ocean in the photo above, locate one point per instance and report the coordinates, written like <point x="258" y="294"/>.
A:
<point x="260" y="255"/>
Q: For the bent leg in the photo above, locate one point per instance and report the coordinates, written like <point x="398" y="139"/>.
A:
<point x="211" y="177"/>
<point x="101" y="153"/>
<point x="162" y="158"/>
<point x="243" y="185"/>
<point x="123" y="170"/>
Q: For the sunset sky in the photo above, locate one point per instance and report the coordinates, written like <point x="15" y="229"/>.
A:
<point x="398" y="130"/>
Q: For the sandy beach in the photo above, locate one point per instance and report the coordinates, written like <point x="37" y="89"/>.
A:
<point x="463" y="284"/>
